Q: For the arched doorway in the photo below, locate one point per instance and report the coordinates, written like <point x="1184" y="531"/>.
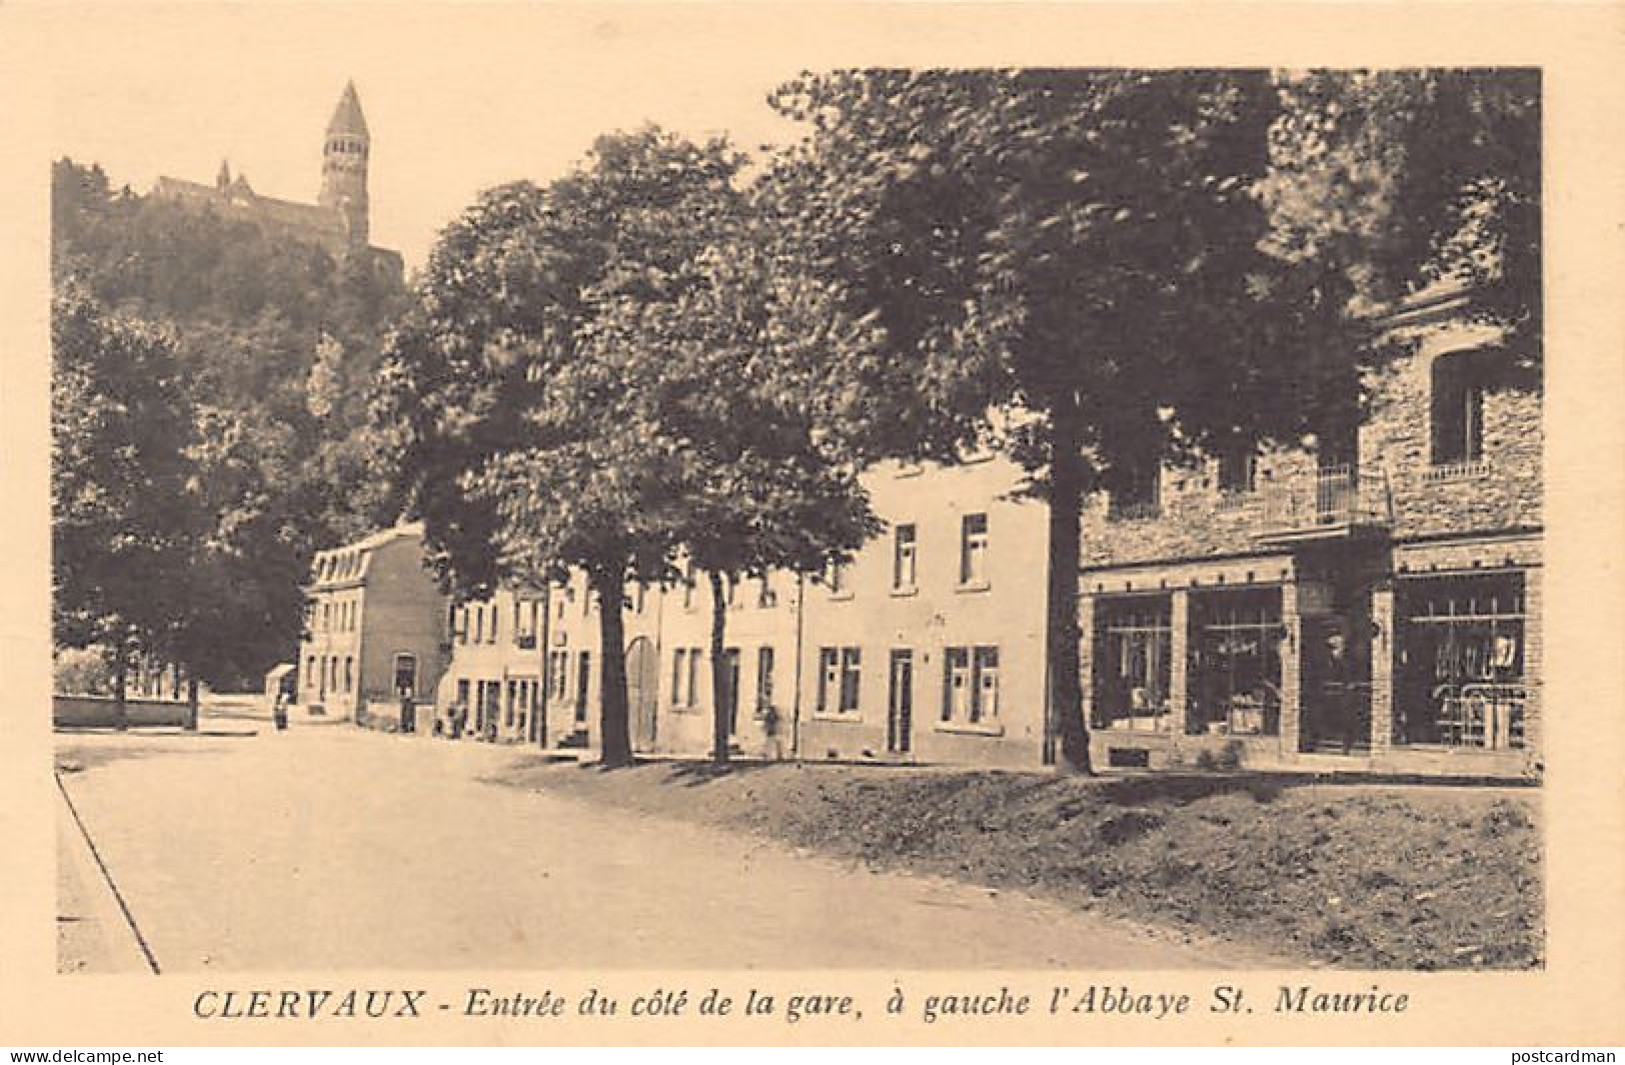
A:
<point x="642" y="677"/>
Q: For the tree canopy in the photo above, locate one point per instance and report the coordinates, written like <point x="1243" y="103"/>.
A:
<point x="609" y="374"/>
<point x="274" y="345"/>
<point x="123" y="516"/>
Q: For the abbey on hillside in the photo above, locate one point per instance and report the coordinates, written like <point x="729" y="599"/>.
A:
<point x="337" y="220"/>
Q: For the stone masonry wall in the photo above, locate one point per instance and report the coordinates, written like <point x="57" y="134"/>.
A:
<point x="1501" y="491"/>
<point x="1195" y="519"/>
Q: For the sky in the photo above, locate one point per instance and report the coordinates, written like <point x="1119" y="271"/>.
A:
<point x="457" y="99"/>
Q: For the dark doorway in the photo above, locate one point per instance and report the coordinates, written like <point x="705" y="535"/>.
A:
<point x="730" y="688"/>
<point x="900" y="703"/>
<point x="642" y="677"/>
<point x="1336" y="713"/>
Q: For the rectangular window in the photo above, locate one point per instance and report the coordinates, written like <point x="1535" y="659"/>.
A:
<point x="970" y="685"/>
<point x="836" y="577"/>
<point x="677" y="675"/>
<point x="349" y="673"/>
<point x="1459" y="678"/>
<point x="905" y="552"/>
<point x="956" y="684"/>
<point x="1233" y="680"/>
<point x="583" y="682"/>
<point x="1137" y="493"/>
<point x="1238" y="471"/>
<point x="1458" y="408"/>
<point x="985" y="699"/>
<point x="406" y="674"/>
<point x="851" y="670"/>
<point x="688" y="586"/>
<point x="766" y="595"/>
<point x="973" y="549"/>
<point x="764" y="678"/>
<point x="462" y="692"/>
<point x="1132" y="669"/>
<point x="693" y="692"/>
<point x="525" y="616"/>
<point x="479" y="623"/>
<point x="491" y="637"/>
<point x="558" y="676"/>
<point x="730" y="590"/>
<point x="829" y="678"/>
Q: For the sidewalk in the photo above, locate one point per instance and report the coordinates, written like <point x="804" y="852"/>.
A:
<point x="93" y="936"/>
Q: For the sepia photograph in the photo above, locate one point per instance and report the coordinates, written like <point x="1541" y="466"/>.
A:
<point x="558" y="501"/>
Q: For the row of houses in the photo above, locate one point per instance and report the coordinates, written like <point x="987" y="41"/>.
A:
<point x="1373" y="606"/>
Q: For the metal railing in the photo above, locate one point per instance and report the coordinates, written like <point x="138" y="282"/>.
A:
<point x="1333" y="497"/>
<point x="1488" y="715"/>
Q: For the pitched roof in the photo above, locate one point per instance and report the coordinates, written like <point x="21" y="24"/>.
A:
<point x="347" y="116"/>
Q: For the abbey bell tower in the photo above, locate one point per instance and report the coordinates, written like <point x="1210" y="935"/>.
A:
<point x="344" y="165"/>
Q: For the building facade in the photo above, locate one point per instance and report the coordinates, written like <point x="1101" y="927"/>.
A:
<point x="1372" y="607"/>
<point x="374" y="629"/>
<point x="492" y="686"/>
<point x="1379" y="613"/>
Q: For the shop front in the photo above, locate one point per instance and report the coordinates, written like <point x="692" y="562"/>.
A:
<point x="1236" y="642"/>
<point x="1460" y="670"/>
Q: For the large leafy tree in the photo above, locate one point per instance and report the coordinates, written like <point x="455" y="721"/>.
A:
<point x="608" y="373"/>
<point x="125" y="523"/>
<point x="527" y="438"/>
<point x="730" y="333"/>
<point x="1382" y="182"/>
<point x="243" y="579"/>
<point x="279" y="340"/>
<point x="1066" y="264"/>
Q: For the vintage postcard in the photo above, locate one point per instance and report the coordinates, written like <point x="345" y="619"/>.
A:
<point x="851" y="524"/>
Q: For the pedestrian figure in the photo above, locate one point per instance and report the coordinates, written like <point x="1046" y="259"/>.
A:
<point x="770" y="730"/>
<point x="279" y="712"/>
<point x="1338" y="681"/>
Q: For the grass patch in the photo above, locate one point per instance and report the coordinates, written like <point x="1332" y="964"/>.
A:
<point x="1360" y="875"/>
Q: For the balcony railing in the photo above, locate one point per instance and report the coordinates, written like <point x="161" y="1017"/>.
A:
<point x="1335" y="500"/>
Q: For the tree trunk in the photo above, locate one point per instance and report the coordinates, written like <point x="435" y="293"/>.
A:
<point x="720" y="731"/>
<point x="191" y="702"/>
<point x="121" y="681"/>
<point x="614" y="728"/>
<point x="1065" y="556"/>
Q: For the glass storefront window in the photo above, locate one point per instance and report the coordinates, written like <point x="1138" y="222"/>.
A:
<point x="1460" y="672"/>
<point x="1235" y="664"/>
<point x="1133" y="645"/>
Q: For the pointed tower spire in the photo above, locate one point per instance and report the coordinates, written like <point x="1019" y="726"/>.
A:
<point x="222" y="180"/>
<point x="344" y="165"/>
<point x="347" y="116"/>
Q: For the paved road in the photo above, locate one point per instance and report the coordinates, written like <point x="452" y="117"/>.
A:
<point x="329" y="848"/>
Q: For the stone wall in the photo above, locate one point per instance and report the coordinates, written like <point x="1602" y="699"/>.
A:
<point x="1502" y="490"/>
<point x="1195" y="518"/>
<point x="98" y="711"/>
